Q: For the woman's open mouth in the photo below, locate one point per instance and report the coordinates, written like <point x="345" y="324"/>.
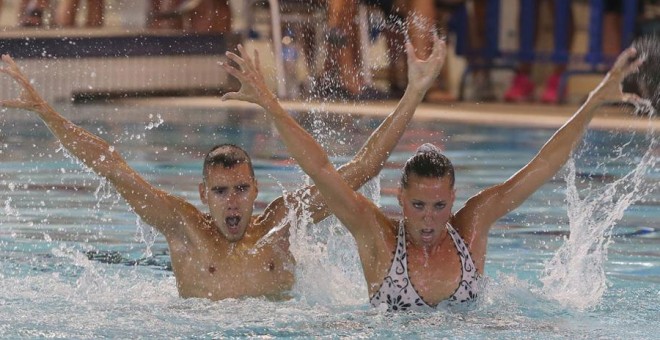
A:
<point x="427" y="234"/>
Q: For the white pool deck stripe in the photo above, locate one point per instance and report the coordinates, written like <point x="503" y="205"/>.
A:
<point x="499" y="114"/>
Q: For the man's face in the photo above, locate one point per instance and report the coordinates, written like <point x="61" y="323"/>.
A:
<point x="427" y="204"/>
<point x="230" y="194"/>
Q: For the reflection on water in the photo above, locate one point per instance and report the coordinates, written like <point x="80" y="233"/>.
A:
<point x="56" y="217"/>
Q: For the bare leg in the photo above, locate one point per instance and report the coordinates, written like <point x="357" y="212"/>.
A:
<point x="211" y="16"/>
<point x="551" y="93"/>
<point x="612" y="30"/>
<point x="421" y="25"/>
<point x="422" y="19"/>
<point x="65" y="14"/>
<point x="343" y="47"/>
<point x="398" y="67"/>
<point x="522" y="87"/>
<point x="162" y="6"/>
<point x="153" y="22"/>
<point x="481" y="79"/>
<point x="95" y="13"/>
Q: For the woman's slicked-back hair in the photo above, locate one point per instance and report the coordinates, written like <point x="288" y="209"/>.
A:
<point x="428" y="161"/>
<point x="228" y="156"/>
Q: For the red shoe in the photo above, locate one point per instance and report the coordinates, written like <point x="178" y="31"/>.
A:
<point x="521" y="89"/>
<point x="551" y="92"/>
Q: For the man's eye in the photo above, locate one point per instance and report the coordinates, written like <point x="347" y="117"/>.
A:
<point x="219" y="191"/>
<point x="243" y="188"/>
<point x="440" y="206"/>
<point x="418" y="205"/>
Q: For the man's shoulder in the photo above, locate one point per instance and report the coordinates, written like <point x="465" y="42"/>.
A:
<point x="192" y="224"/>
<point x="268" y="223"/>
<point x="268" y="218"/>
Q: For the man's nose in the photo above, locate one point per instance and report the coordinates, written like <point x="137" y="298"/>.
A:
<point x="232" y="201"/>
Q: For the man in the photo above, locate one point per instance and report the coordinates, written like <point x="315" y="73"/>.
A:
<point x="432" y="256"/>
<point x="222" y="254"/>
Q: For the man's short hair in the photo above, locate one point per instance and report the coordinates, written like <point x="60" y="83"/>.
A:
<point x="228" y="156"/>
<point x="428" y="161"/>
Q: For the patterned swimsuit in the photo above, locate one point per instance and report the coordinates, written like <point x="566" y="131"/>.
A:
<point x="397" y="292"/>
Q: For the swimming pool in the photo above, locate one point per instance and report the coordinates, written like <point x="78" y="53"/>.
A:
<point x="57" y="216"/>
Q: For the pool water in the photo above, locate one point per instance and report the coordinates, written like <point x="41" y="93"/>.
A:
<point x="75" y="262"/>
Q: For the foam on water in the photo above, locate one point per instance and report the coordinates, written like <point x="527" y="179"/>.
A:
<point x="86" y="299"/>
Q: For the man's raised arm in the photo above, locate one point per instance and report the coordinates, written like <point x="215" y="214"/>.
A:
<point x="148" y="202"/>
<point x="371" y="158"/>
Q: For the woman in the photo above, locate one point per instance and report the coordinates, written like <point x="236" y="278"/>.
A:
<point x="433" y="256"/>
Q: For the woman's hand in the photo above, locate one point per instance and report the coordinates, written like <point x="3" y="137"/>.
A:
<point x="253" y="86"/>
<point x="610" y="88"/>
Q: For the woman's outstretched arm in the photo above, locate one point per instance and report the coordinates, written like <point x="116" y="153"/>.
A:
<point x="482" y="210"/>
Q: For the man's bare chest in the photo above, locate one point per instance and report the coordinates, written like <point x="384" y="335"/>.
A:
<point x="218" y="272"/>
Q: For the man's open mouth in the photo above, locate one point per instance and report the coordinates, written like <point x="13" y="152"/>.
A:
<point x="232" y="221"/>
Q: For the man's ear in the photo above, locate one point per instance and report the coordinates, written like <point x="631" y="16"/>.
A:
<point x="202" y="193"/>
<point x="399" y="196"/>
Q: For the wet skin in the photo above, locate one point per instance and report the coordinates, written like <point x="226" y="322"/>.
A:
<point x="229" y="253"/>
<point x="432" y="258"/>
<point x="427" y="205"/>
<point x="219" y="252"/>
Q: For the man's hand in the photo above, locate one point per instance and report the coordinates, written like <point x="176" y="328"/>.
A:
<point x="253" y="86"/>
<point x="29" y="99"/>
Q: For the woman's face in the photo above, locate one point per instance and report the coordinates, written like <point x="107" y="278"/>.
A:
<point x="427" y="204"/>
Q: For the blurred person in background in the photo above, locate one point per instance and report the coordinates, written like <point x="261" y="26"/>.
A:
<point x="523" y="89"/>
<point x="65" y="14"/>
<point x="342" y="76"/>
<point x="424" y="18"/>
<point x="196" y="16"/>
<point x="31" y="12"/>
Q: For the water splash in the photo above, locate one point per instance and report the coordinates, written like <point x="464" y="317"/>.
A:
<point x="327" y="268"/>
<point x="9" y="211"/>
<point x="312" y="269"/>
<point x="330" y="86"/>
<point x="105" y="192"/>
<point x="146" y="235"/>
<point x="575" y="276"/>
<point x="154" y="123"/>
